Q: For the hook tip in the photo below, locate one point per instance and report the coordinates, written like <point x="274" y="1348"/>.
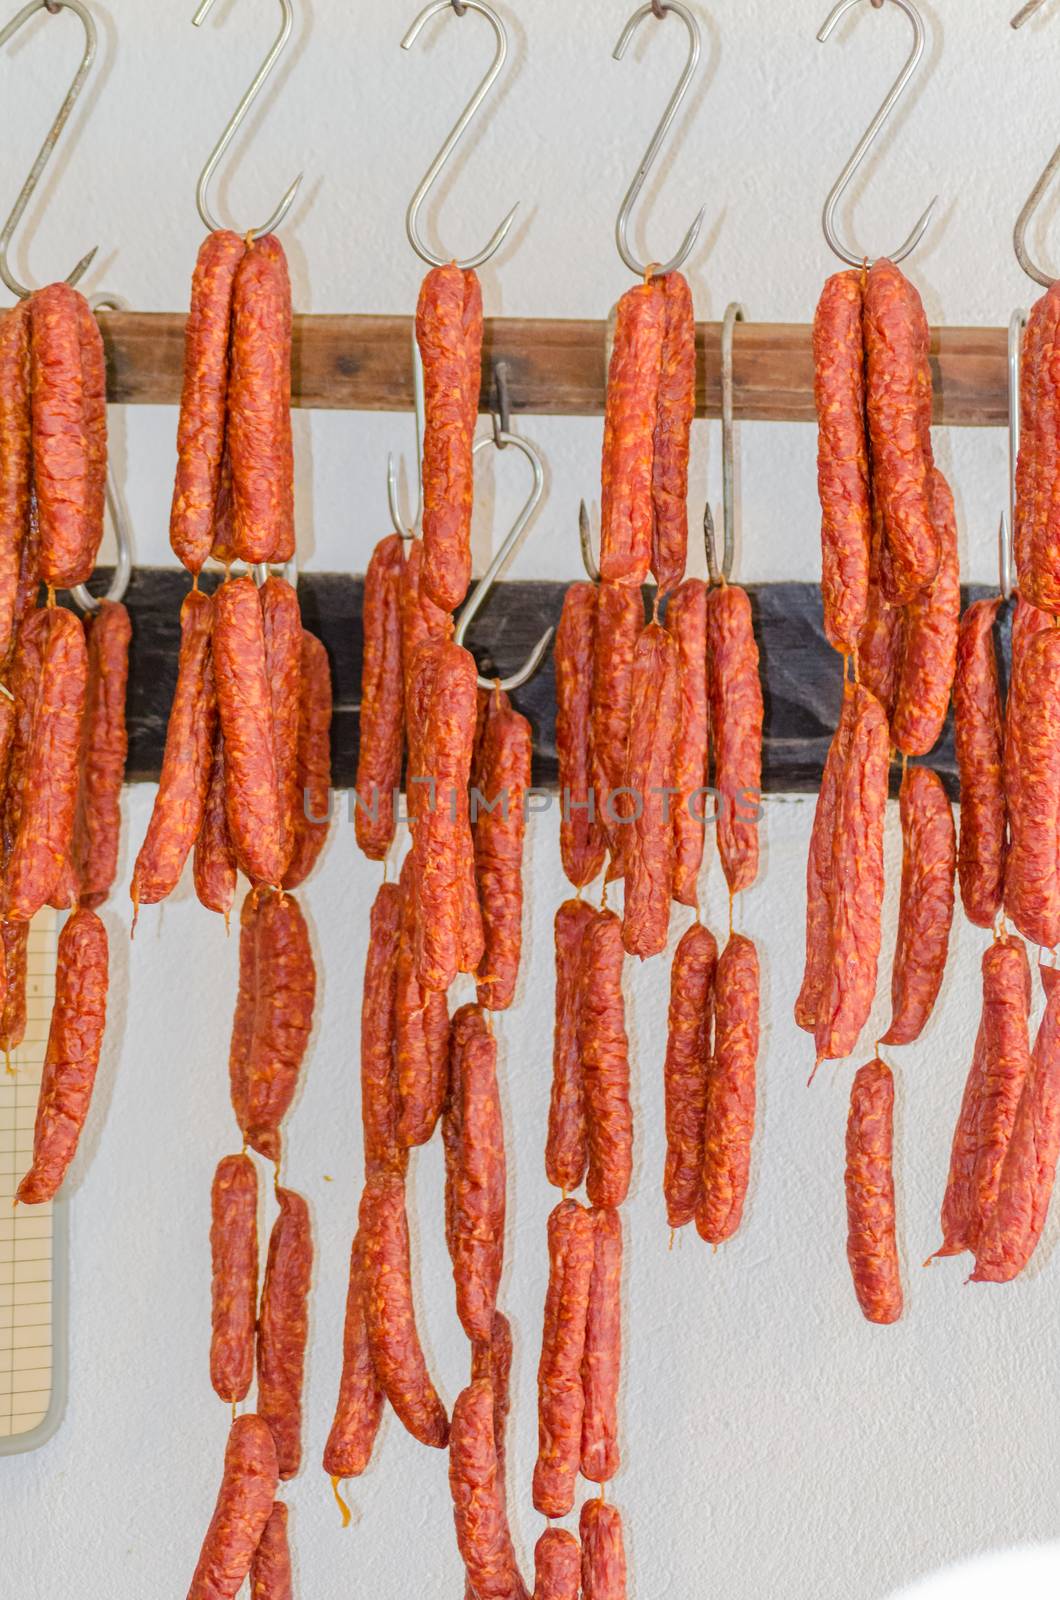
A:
<point x="83" y="265"/>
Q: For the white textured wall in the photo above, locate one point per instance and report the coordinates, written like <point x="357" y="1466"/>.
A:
<point x="774" y="1442"/>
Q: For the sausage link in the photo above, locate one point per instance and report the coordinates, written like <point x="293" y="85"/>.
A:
<point x="203" y="400"/>
<point x="255" y="806"/>
<point x="1006" y="1065"/>
<point x="653" y="721"/>
<point x="259" y="406"/>
<point x="1032" y="788"/>
<point x="478" y="1176"/>
<point x="282" y="625"/>
<point x="842" y="459"/>
<point x="359" y="1408"/>
<point x="959" y="1229"/>
<point x="605" y="1062"/>
<point x="379" y="1090"/>
<point x="581" y="838"/>
<point x="729" y="1123"/>
<point x="222" y="548"/>
<point x="673" y="433"/>
<point x="689" y="1043"/>
<point x="686" y="619"/>
<point x="500" y="1375"/>
<point x="872" y="1249"/>
<point x="13" y="1021"/>
<point x="603" y="1552"/>
<point x="104" y="747"/>
<point x="449" y="330"/>
<point x="64" y="445"/>
<point x="820" y="868"/>
<point x="41" y="847"/>
<point x="929" y="639"/>
<point x="898" y="400"/>
<point x="244" y="1506"/>
<point x="234" y="1256"/>
<point x="25" y="676"/>
<point x="881" y="641"/>
<point x="557" y="1566"/>
<point x="214" y="862"/>
<point x="925" y="913"/>
<point x="736" y="715"/>
<point x="283" y="1326"/>
<point x="382" y="700"/>
<point x="16" y="461"/>
<point x="421" y="619"/>
<point x="1041" y="584"/>
<point x="283" y="1019"/>
<point x="94" y="402"/>
<point x="187" y="760"/>
<point x="477" y="1488"/>
<point x="857" y="879"/>
<point x="75" y="1036"/>
<point x="1037" y="426"/>
<point x="1012" y="1230"/>
<point x="501" y="779"/>
<point x="243" y="1021"/>
<point x="619" y="624"/>
<point x="421" y="1033"/>
<point x="560" y="1398"/>
<point x="566" y="1151"/>
<point x="312" y="812"/>
<point x="979" y="738"/>
<point x="389" y="1316"/>
<point x="29" y="578"/>
<point x="630" y="418"/>
<point x="270" y="1570"/>
<point x="602" y="1357"/>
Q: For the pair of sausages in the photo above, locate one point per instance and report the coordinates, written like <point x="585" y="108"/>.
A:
<point x="501" y="778"/>
<point x="247" y="1536"/>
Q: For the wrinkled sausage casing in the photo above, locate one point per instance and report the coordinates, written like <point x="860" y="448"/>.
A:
<point x="619" y="623"/>
<point x="1032" y="788"/>
<point x="689" y="1042"/>
<point x="1006" y="1066"/>
<point x="69" y="433"/>
<point x="283" y="1326"/>
<point x="477" y="1489"/>
<point x="581" y="838"/>
<point x="602" y="1357"/>
<point x="686" y="619"/>
<point x="281" y="1020"/>
<point x="478" y="1178"/>
<point x="214" y="862"/>
<point x="566" y="1151"/>
<point x="560" y="1395"/>
<point x="421" y="1031"/>
<point x="820" y="868"/>
<point x="880" y="642"/>
<point x="16" y="463"/>
<point x="259" y="406"/>
<point x="872" y="1249"/>
<point x="449" y="330"/>
<point x="104" y="746"/>
<point x="379" y="1089"/>
<point x="736" y="715"/>
<point x="730" y="1111"/>
<point x="234" y="1254"/>
<point x="257" y="805"/>
<point x="382" y="700"/>
<point x="557" y="1566"/>
<point x="603" y="1552"/>
<point x="282" y="627"/>
<point x="270" y="1570"/>
<point x="842" y="459"/>
<point x="673" y="431"/>
<point x="630" y="418"/>
<point x="501" y="779"/>
<point x="929" y="849"/>
<point x="360" y="1404"/>
<point x="244" y="1506"/>
<point x="929" y="639"/>
<point x="421" y="619"/>
<point x="979" y="737"/>
<point x="605" y="1062"/>
<point x="1036" y="466"/>
<point x="653" y="720"/>
<point x="312" y="812"/>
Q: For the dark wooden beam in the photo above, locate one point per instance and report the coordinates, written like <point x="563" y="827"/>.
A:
<point x="555" y="368"/>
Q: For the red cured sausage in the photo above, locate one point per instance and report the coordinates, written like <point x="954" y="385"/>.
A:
<point x="686" y="619"/>
<point x="478" y="1178"/>
<point x="13" y="1020"/>
<point x="104" y="746"/>
<point x="214" y="860"/>
<point x="246" y="1006"/>
<point x="605" y="1062"/>
<point x="602" y="1358"/>
<point x="312" y="812"/>
<point x="736" y="715"/>
<point x="730" y="1114"/>
<point x="673" y="432"/>
<point x="1006" y="1065"/>
<point x="477" y="1489"/>
<point x="842" y="459"/>
<point x="557" y="1566"/>
<point x="379" y="1089"/>
<point x="187" y="760"/>
<point x="255" y="805"/>
<point x="603" y="1552"/>
<point x="879" y="653"/>
<point x="929" y="638"/>
<point x="234" y="1254"/>
<point x="382" y="700"/>
<point x="64" y="379"/>
<point x="449" y="332"/>
<point x="259" y="406"/>
<point x="94" y="402"/>
<point x="270" y="1570"/>
<point x="79" y="1014"/>
<point x="1012" y="1230"/>
<point x="581" y="837"/>
<point x="203" y="401"/>
<point x="360" y="1403"/>
<point x="898" y="402"/>
<point x="422" y="1032"/>
<point x="630" y="419"/>
<point x="421" y="619"/>
<point x="566" y="1150"/>
<point x="959" y="1221"/>
<point x="15" y="461"/>
<point x="820" y="868"/>
<point x="979" y="737"/>
<point x="283" y="1325"/>
<point x="501" y="779"/>
<point x="560" y="1398"/>
<point x="24" y="683"/>
<point x="653" y="719"/>
<point x="1032" y="789"/>
<point x="388" y="1311"/>
<point x="41" y="847"/>
<point x="857" y="883"/>
<point x="1036" y="466"/>
<point x="619" y="623"/>
<point x="282" y="624"/>
<point x="285" y="993"/>
<point x="244" y="1505"/>
<point x="871" y="1246"/>
<point x="689" y="1042"/>
<point x="929" y="849"/>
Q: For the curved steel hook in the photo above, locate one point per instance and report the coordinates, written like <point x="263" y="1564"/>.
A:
<point x="585" y="539"/>
<point x="504" y="557"/>
<point x="413" y="529"/>
<point x="118" y="515"/>
<point x="1034" y="199"/>
<point x="1007" y="525"/>
<point x="855" y="258"/>
<point x="463" y="122"/>
<point x="1025" y="13"/>
<point x="206" y="176"/>
<point x="51" y="138"/>
<point x="722" y="573"/>
<point x="658" y="9"/>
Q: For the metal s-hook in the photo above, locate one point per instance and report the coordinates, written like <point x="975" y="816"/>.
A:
<point x="463" y="122"/>
<point x="1034" y="199"/>
<point x="52" y="136"/>
<point x="658" y="9"/>
<point x="1007" y="526"/>
<point x="118" y="515"/>
<point x="585" y="539"/>
<point x="202" y="199"/>
<point x="413" y="529"/>
<point x="854" y="257"/>
<point x="1026" y="12"/>
<point x="722" y="573"/>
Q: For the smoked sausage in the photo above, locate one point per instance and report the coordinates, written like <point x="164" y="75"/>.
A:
<point x="979" y="737"/>
<point x="566" y="1151"/>
<point x="259" y="406"/>
<point x="560" y="1397"/>
<point x="602" y="1356"/>
<point x="653" y="716"/>
<point x="478" y="1181"/>
<point x="283" y="1326"/>
<point x="581" y="837"/>
<point x="842" y="459"/>
<point x="605" y="1062"/>
<point x="673" y="431"/>
<point x="312" y="812"/>
<point x="736" y="715"/>
<point x="925" y="911"/>
<point x="501" y="778"/>
<point x="872" y="1249"/>
<point x="360" y="1404"/>
<point x="382" y="701"/>
<point x="449" y="331"/>
<point x="104" y="747"/>
<point x="689" y="1043"/>
<point x="686" y="619"/>
<point x="630" y="419"/>
<point x="234" y="1254"/>
<point x="244" y="1506"/>
<point x="729" y="1121"/>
